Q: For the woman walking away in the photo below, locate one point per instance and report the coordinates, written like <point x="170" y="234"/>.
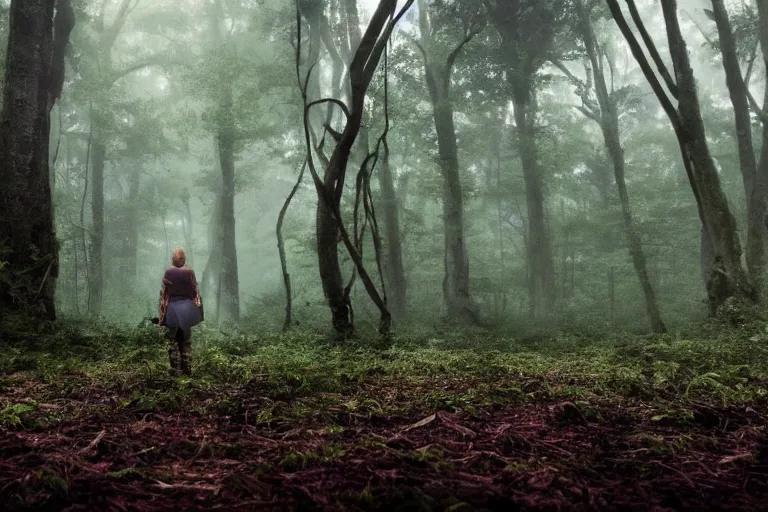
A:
<point x="181" y="308"/>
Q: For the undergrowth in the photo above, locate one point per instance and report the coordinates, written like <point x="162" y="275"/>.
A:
<point x="300" y="371"/>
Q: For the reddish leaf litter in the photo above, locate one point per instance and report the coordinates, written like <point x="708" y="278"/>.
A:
<point x="556" y="457"/>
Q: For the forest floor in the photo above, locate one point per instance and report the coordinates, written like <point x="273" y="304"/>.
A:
<point x="89" y="420"/>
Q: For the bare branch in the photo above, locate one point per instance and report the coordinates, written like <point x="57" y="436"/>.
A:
<point x="637" y="52"/>
<point x="663" y="71"/>
<point x="452" y="56"/>
<point x="339" y="103"/>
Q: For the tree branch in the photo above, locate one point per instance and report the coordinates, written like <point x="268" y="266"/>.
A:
<point x="452" y="56"/>
<point x="663" y="71"/>
<point x="339" y="103"/>
<point x="637" y="52"/>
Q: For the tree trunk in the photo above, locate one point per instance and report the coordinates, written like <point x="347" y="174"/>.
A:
<point x="230" y="293"/>
<point x="542" y="287"/>
<point x="330" y="187"/>
<point x="130" y="252"/>
<point x="717" y="218"/>
<point x="26" y="225"/>
<point x="211" y="277"/>
<point x="727" y="276"/>
<point x="456" y="295"/>
<point x="754" y="193"/>
<point x="760" y="208"/>
<point x="609" y="124"/>
<point x="456" y="280"/>
<point x="393" y="262"/>
<point x="225" y="138"/>
<point x="96" y="272"/>
<point x="188" y="232"/>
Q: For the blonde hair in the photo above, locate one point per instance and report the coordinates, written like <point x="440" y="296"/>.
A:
<point x="178" y="258"/>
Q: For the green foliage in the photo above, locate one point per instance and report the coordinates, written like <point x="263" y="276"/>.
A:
<point x="299" y="374"/>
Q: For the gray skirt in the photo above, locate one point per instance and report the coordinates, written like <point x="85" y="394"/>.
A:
<point x="182" y="313"/>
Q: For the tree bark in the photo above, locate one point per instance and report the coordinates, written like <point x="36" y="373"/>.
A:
<point x="225" y="137"/>
<point x="727" y="275"/>
<point x="542" y="287"/>
<point x="393" y="262"/>
<point x="456" y="294"/>
<point x="718" y="219"/>
<point x="754" y="189"/>
<point x="761" y="182"/>
<point x="230" y="292"/>
<point x="96" y="284"/>
<point x="26" y="225"/>
<point x="609" y="124"/>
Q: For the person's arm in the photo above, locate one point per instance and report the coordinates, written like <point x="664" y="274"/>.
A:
<point x="164" y="300"/>
<point x="197" y="298"/>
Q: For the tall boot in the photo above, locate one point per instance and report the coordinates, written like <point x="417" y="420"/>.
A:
<point x="184" y="353"/>
<point x="174" y="356"/>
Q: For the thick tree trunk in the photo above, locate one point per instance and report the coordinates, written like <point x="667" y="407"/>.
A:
<point x="541" y="264"/>
<point x="713" y="205"/>
<point x="96" y="271"/>
<point x="225" y="137"/>
<point x="754" y="189"/>
<point x="393" y="261"/>
<point x="609" y="124"/>
<point x="456" y="280"/>
<point x="760" y="208"/>
<point x="26" y="224"/>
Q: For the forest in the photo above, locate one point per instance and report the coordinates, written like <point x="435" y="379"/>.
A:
<point x="439" y="255"/>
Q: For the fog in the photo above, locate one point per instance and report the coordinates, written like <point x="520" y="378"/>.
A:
<point x="162" y="95"/>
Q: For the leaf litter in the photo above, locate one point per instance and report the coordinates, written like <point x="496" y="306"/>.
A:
<point x="516" y="456"/>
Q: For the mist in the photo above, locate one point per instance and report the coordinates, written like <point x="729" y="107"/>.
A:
<point x="523" y="209"/>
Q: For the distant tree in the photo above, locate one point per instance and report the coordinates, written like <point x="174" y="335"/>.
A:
<point x="531" y="32"/>
<point x="439" y="60"/>
<point x="34" y="77"/>
<point x="605" y="112"/>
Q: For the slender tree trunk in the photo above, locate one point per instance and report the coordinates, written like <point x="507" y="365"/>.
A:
<point x="96" y="272"/>
<point x="130" y="252"/>
<point x="211" y="277"/>
<point x="225" y="138"/>
<point x="754" y="193"/>
<point x="609" y="124"/>
<point x="393" y="263"/>
<point x="288" y="320"/>
<point x="456" y="294"/>
<point x="26" y="225"/>
<point x="188" y="231"/>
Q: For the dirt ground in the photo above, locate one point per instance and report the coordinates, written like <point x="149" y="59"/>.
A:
<point x="537" y="456"/>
